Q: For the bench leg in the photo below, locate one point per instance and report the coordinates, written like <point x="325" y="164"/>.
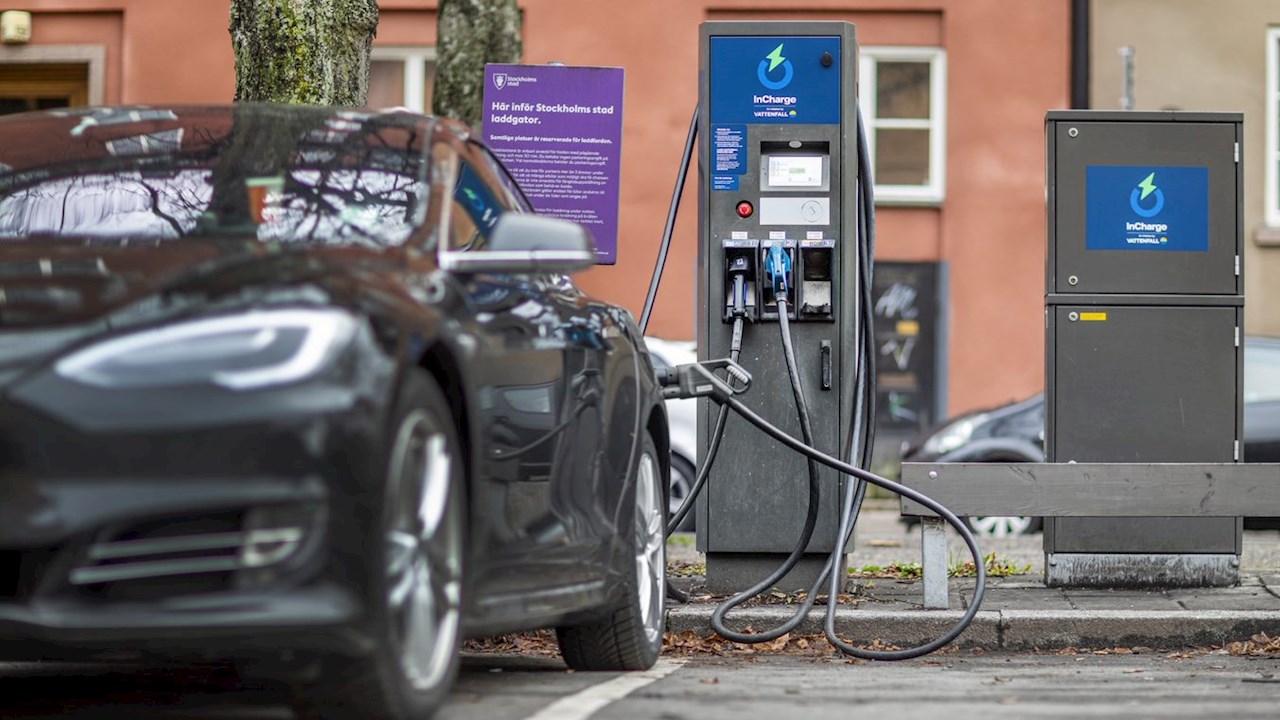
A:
<point x="933" y="539"/>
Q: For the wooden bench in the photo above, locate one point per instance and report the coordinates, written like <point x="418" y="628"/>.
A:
<point x="1080" y="490"/>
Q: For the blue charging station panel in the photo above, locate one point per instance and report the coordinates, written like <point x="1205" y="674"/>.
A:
<point x="756" y="80"/>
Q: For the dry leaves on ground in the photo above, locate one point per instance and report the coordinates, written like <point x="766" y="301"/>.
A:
<point x="538" y="642"/>
<point x="1260" y="644"/>
<point x="689" y="642"/>
<point x="679" y="568"/>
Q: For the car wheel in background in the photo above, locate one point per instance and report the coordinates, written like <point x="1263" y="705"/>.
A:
<point x="683" y="475"/>
<point x="416" y="604"/>
<point x="630" y="637"/>
<point x="998" y="526"/>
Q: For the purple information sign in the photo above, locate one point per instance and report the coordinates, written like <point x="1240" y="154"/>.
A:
<point x="559" y="130"/>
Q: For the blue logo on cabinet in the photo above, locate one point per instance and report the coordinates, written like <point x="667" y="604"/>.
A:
<point x="1146" y="208"/>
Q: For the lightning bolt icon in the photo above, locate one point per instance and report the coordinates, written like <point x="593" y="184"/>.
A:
<point x="1147" y="185"/>
<point x="775" y="59"/>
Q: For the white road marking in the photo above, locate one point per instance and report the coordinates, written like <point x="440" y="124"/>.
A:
<point x="584" y="703"/>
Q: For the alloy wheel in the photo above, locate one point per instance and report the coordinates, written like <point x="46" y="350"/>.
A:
<point x="999" y="526"/>
<point x="424" y="552"/>
<point x="650" y="547"/>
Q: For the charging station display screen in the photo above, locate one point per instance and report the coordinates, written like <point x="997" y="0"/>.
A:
<point x="794" y="171"/>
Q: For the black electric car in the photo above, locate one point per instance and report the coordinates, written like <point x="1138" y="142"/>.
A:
<point x="308" y="389"/>
<point x="1015" y="433"/>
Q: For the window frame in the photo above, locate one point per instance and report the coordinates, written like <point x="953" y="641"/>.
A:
<point x="932" y="192"/>
<point x="414" y="58"/>
<point x="1271" y="185"/>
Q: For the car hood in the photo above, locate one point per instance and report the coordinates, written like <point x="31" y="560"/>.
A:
<point x="58" y="293"/>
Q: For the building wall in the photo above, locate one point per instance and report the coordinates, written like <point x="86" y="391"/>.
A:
<point x="1194" y="55"/>
<point x="1007" y="63"/>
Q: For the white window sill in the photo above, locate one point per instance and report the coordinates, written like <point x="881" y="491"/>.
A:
<point x="1266" y="236"/>
<point x="883" y="200"/>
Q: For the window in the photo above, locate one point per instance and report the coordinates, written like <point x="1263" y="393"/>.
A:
<point x="1273" y="128"/>
<point x="402" y="77"/>
<point x="903" y="101"/>
<point x="478" y="202"/>
<point x="43" y="86"/>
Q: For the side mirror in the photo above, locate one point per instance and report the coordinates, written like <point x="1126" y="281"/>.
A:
<point x="522" y="243"/>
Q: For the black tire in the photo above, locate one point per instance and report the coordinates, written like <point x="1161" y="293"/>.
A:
<point x="683" y="475"/>
<point x="630" y="636"/>
<point x="420" y="541"/>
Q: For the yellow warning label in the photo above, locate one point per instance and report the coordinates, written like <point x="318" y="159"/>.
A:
<point x="910" y="328"/>
<point x="1094" y="316"/>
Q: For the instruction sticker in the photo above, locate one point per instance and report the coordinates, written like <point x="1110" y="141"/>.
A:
<point x="1147" y="208"/>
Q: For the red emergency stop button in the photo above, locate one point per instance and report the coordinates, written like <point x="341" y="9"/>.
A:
<point x="745" y="209"/>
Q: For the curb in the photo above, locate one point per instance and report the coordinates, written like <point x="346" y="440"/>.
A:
<point x="1009" y="629"/>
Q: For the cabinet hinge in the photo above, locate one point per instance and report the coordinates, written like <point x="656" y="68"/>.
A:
<point x="1237" y="266"/>
<point x="1237" y="151"/>
<point x="1235" y="453"/>
<point x="1237" y="336"/>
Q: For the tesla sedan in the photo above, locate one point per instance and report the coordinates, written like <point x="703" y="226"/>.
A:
<point x="310" y="390"/>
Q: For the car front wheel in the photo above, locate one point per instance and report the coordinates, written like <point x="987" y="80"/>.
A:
<point x="630" y="636"/>
<point x="416" y="600"/>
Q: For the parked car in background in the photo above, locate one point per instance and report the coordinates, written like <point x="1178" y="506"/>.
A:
<point x="682" y="419"/>
<point x="1015" y="433"/>
<point x="309" y="390"/>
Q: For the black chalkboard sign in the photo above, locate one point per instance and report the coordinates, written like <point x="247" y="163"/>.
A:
<point x="908" y="324"/>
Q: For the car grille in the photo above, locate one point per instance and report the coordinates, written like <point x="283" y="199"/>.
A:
<point x="178" y="556"/>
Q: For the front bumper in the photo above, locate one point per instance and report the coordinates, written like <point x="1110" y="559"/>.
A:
<point x="322" y="618"/>
<point x="218" y="541"/>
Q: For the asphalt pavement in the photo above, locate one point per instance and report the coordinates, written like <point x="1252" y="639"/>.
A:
<point x="1033" y="652"/>
<point x="1018" y="613"/>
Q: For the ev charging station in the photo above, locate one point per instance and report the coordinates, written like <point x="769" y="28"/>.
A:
<point x="1144" y="303"/>
<point x="777" y="216"/>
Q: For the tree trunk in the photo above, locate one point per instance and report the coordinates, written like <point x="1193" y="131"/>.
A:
<point x="312" y="52"/>
<point x="470" y="34"/>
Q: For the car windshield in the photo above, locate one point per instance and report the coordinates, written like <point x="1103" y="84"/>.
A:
<point x="282" y="174"/>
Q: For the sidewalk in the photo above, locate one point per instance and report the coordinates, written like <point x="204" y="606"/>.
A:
<point x="1019" y="612"/>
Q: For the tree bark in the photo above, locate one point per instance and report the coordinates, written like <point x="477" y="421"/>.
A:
<point x="312" y="52"/>
<point x="470" y="34"/>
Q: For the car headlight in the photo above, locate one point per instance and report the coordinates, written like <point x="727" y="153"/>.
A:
<point x="238" y="352"/>
<point x="952" y="436"/>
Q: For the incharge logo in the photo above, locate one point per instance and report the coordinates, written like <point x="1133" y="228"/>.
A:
<point x="1138" y="198"/>
<point x="765" y="70"/>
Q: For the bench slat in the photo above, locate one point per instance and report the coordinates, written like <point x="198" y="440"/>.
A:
<point x="1097" y="489"/>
